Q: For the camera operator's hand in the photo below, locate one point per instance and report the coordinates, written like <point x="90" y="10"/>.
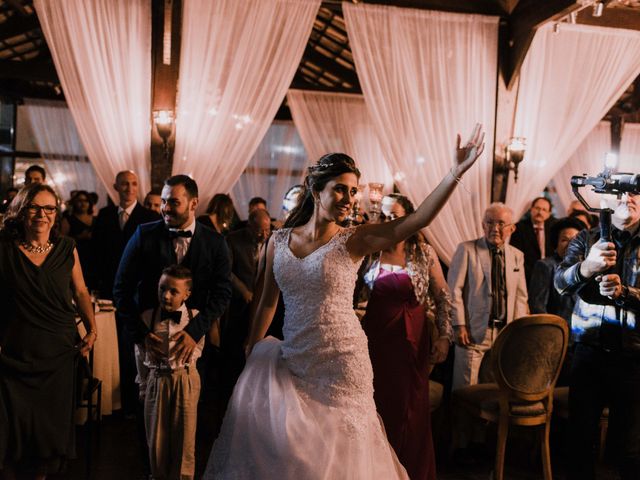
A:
<point x="610" y="285"/>
<point x="601" y="257"/>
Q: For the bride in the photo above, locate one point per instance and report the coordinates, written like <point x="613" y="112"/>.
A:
<point x="303" y="408"/>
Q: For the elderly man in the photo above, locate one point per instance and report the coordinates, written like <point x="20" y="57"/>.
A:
<point x="244" y="245"/>
<point x="488" y="290"/>
<point x="605" y="329"/>
<point x="533" y="235"/>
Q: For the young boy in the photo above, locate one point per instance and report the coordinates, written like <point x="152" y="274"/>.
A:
<point x="169" y="387"/>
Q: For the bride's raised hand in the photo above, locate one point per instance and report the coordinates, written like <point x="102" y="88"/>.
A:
<point x="467" y="154"/>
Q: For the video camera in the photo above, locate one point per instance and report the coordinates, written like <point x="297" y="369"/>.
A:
<point x="606" y="182"/>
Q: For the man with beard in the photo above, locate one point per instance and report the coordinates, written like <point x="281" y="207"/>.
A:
<point x="177" y="239"/>
<point x="606" y="361"/>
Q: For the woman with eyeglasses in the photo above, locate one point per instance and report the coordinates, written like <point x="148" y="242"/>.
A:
<point x="409" y="294"/>
<point x="40" y="275"/>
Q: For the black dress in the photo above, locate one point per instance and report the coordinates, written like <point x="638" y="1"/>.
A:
<point x="37" y="358"/>
<point x="85" y="248"/>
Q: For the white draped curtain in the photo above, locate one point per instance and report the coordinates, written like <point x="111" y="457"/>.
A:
<point x="587" y="159"/>
<point x="568" y="81"/>
<point x="278" y="164"/>
<point x="102" y="53"/>
<point x="427" y="76"/>
<point x="57" y="139"/>
<point x="630" y="149"/>
<point x="339" y="122"/>
<point x="237" y="60"/>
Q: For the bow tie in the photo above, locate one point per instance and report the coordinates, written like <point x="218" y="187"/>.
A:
<point x="173" y="316"/>
<point x="180" y="233"/>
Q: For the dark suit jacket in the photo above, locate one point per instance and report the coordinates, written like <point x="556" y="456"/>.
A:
<point x="108" y="242"/>
<point x="543" y="297"/>
<point x="524" y="239"/>
<point x="148" y="252"/>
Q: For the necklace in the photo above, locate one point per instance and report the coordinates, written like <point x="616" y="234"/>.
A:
<point x="37" y="248"/>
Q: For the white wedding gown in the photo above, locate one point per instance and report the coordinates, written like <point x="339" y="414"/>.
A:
<point x="303" y="408"/>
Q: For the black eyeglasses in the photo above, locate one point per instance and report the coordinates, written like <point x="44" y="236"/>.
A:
<point x="36" y="209"/>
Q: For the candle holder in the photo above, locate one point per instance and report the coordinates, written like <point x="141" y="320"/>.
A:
<point x="375" y="200"/>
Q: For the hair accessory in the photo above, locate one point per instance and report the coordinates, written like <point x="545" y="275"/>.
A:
<point x="321" y="167"/>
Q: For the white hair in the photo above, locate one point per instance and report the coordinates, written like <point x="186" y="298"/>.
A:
<point x="497" y="207"/>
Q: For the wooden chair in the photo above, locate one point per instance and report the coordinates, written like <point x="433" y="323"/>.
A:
<point x="526" y="359"/>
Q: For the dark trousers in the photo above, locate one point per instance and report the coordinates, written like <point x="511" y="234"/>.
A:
<point x="599" y="379"/>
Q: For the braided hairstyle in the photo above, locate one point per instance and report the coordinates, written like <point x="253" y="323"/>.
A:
<point x="326" y="168"/>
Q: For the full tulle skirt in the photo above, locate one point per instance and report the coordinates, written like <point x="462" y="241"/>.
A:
<point x="275" y="428"/>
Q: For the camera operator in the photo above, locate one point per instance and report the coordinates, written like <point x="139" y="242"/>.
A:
<point x="606" y="363"/>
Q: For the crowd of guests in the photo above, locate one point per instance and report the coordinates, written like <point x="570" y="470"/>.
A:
<point x="186" y="288"/>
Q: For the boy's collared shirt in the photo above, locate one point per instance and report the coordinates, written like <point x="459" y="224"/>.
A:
<point x="165" y="329"/>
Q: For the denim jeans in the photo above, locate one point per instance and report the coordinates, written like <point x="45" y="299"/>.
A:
<point x="598" y="379"/>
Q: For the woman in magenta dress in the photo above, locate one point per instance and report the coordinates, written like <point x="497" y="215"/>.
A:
<point x="408" y="290"/>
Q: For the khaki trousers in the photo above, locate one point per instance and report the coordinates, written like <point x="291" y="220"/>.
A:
<point x="170" y="414"/>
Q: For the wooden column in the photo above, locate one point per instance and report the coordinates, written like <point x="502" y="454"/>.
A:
<point x="166" y="18"/>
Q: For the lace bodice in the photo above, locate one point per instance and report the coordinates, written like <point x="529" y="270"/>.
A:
<point x="324" y="345"/>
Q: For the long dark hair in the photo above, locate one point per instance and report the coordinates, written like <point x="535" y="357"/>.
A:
<point x="13" y="221"/>
<point x="414" y="245"/>
<point x="326" y="168"/>
<point x="76" y="197"/>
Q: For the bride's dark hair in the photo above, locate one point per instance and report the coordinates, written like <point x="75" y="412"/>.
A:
<point x="326" y="168"/>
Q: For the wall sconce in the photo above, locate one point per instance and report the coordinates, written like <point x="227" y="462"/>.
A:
<point x="514" y="154"/>
<point x="164" y="121"/>
<point x="375" y="200"/>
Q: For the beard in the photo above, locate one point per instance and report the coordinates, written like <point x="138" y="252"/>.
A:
<point x="175" y="220"/>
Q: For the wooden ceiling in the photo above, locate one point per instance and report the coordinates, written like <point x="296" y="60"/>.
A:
<point x="27" y="70"/>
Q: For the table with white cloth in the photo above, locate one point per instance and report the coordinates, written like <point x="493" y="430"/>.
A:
<point x="106" y="366"/>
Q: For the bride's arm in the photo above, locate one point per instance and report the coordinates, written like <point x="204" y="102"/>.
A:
<point x="375" y="237"/>
<point x="267" y="306"/>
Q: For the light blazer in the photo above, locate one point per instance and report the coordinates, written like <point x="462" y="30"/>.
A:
<point x="469" y="280"/>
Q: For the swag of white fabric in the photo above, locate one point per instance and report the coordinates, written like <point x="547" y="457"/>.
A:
<point x="427" y="76"/>
<point x="102" y="53"/>
<point x="568" y="81"/>
<point x="340" y="122"/>
<point x="587" y="159"/>
<point x="237" y="60"/>
<point x="57" y="140"/>
<point x="277" y="165"/>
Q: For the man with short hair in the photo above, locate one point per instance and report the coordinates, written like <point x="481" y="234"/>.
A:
<point x="113" y="228"/>
<point x="488" y="290"/>
<point x="153" y="201"/>
<point x="257" y="203"/>
<point x="34" y="174"/>
<point x="533" y="235"/>
<point x="178" y="239"/>
<point x="605" y="369"/>
<point x="244" y="246"/>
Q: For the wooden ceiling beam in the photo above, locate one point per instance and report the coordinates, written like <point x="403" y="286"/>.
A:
<point x="484" y="7"/>
<point x="526" y="18"/>
<point x="612" y="17"/>
<point x="331" y="66"/>
<point x="18" y="7"/>
<point x="17" y="90"/>
<point x="18" y="25"/>
<point x="30" y="71"/>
